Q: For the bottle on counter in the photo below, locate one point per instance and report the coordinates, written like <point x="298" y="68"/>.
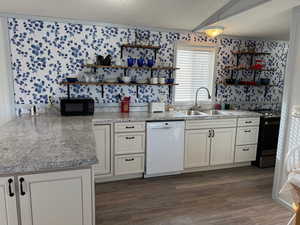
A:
<point x="125" y="104"/>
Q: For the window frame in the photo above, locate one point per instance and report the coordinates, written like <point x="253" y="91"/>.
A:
<point x="195" y="46"/>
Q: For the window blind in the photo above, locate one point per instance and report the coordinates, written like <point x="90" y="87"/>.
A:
<point x="196" y="70"/>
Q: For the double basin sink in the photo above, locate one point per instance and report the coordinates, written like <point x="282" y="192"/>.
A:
<point x="207" y="112"/>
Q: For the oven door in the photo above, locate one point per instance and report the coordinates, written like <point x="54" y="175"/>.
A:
<point x="268" y="136"/>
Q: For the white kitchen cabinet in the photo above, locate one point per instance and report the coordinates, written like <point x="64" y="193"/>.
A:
<point x="8" y="202"/>
<point x="246" y="122"/>
<point x="56" y="198"/>
<point x="222" y="146"/>
<point x="197" y="148"/>
<point x="127" y="143"/>
<point x="247" y="135"/>
<point x="245" y="153"/>
<point x="103" y="149"/>
<point x="130" y="127"/>
<point x="129" y="164"/>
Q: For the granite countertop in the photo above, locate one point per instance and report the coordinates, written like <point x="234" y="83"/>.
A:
<point x="46" y="142"/>
<point x="52" y="142"/>
<point x="102" y="118"/>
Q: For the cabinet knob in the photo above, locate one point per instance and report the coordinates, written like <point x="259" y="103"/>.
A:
<point x="21" y="186"/>
<point x="11" y="194"/>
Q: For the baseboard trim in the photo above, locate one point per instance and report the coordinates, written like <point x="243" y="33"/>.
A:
<point x="208" y="168"/>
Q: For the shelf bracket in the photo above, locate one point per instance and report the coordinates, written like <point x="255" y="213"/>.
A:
<point x="170" y="73"/>
<point x="102" y="91"/>
<point x="266" y="91"/>
<point x="155" y="53"/>
<point x="122" y="52"/>
<point x="170" y="91"/>
<point x="68" y="91"/>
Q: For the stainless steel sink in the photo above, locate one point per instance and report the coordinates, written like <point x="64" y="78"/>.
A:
<point x="214" y="112"/>
<point x="195" y="113"/>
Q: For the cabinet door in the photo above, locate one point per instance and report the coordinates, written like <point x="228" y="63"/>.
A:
<point x="222" y="146"/>
<point x="8" y="204"/>
<point x="103" y="149"/>
<point x="57" y="198"/>
<point x="197" y="148"/>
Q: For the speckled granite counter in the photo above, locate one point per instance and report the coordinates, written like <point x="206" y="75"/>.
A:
<point x="52" y="142"/>
<point x="102" y="118"/>
<point x="46" y="142"/>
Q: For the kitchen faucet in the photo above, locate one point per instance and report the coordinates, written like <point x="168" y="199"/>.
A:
<point x="197" y="92"/>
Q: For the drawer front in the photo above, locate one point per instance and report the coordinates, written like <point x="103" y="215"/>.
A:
<point x="244" y="122"/>
<point x="247" y="135"/>
<point x="126" y="143"/>
<point x="245" y="153"/>
<point x="129" y="164"/>
<point x="215" y="123"/>
<point x="130" y="127"/>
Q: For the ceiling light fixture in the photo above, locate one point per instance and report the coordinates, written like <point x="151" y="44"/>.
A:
<point x="213" y="31"/>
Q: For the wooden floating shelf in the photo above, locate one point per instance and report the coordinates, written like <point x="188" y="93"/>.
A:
<point x="131" y="67"/>
<point x="102" y="84"/>
<point x="250" y="85"/>
<point x="250" y="53"/>
<point x="245" y="68"/>
<point x="113" y="83"/>
<point x="140" y="46"/>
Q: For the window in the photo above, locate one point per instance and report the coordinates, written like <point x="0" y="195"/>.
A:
<point x="196" y="70"/>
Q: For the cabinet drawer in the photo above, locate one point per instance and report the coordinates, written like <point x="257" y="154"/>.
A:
<point x="215" y="123"/>
<point x="128" y="127"/>
<point x="126" y="143"/>
<point x="244" y="122"/>
<point x="247" y="135"/>
<point x="129" y="164"/>
<point x="245" y="153"/>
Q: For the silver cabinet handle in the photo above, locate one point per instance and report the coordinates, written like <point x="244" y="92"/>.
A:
<point x="129" y="159"/>
<point x="213" y="134"/>
<point x="129" y="138"/>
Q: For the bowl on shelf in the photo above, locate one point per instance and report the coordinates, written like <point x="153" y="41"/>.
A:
<point x="170" y="80"/>
<point x="230" y="81"/>
<point x="72" y="79"/>
<point x="264" y="81"/>
<point x="126" y="79"/>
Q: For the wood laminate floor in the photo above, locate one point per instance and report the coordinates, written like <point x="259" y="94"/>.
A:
<point x="239" y="196"/>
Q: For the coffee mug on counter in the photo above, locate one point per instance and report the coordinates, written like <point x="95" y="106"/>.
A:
<point x="162" y="80"/>
<point x="154" y="80"/>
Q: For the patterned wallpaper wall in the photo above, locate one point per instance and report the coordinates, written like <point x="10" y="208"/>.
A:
<point x="45" y="53"/>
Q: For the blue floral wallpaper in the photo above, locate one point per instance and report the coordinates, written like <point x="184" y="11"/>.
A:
<point x="45" y="53"/>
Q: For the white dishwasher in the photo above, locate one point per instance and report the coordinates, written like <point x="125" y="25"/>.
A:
<point x="165" y="148"/>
